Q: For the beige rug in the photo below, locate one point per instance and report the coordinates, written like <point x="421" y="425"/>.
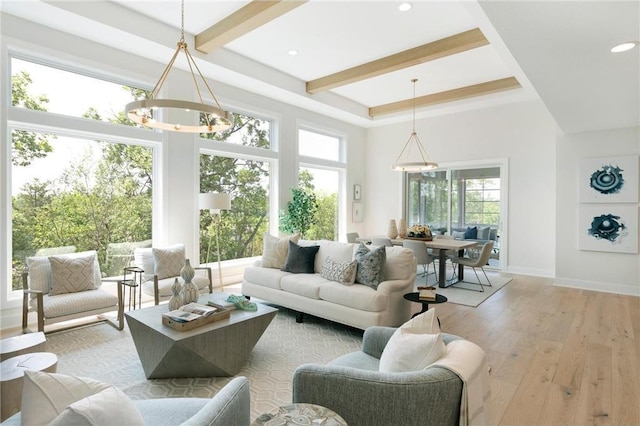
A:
<point x="465" y="293"/>
<point x="104" y="353"/>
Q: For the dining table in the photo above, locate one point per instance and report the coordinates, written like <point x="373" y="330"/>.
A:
<point x="442" y="245"/>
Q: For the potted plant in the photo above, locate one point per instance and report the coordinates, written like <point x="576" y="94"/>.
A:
<point x="300" y="213"/>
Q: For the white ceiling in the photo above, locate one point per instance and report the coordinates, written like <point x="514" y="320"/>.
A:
<point x="557" y="49"/>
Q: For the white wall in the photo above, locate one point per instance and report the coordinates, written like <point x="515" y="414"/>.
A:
<point x="524" y="133"/>
<point x="612" y="272"/>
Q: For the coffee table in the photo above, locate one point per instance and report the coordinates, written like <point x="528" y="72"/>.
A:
<point x="219" y="348"/>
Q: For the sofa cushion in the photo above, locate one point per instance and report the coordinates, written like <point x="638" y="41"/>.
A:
<point x="300" y="260"/>
<point x="399" y="263"/>
<point x="493" y="234"/>
<point x="471" y="233"/>
<point x="414" y="345"/>
<point x="70" y="275"/>
<point x="266" y="277"/>
<point x="338" y="251"/>
<point x="483" y="233"/>
<point x="109" y="406"/>
<point x="46" y="395"/>
<point x="307" y="285"/>
<point x="275" y="250"/>
<point x="357" y="296"/>
<point x="458" y="235"/>
<point x="371" y="265"/>
<point x="168" y="261"/>
<point x="340" y="272"/>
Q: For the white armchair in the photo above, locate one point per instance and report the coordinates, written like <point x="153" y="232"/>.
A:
<point x="162" y="266"/>
<point x="65" y="287"/>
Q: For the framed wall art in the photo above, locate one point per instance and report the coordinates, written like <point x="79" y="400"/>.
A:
<point x="608" y="227"/>
<point x="609" y="179"/>
<point x="357" y="213"/>
<point x="357" y="192"/>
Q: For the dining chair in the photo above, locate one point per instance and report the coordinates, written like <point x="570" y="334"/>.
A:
<point x="475" y="263"/>
<point x="422" y="257"/>
<point x="381" y="241"/>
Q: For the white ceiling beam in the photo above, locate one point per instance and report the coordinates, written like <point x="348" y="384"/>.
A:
<point x="242" y="21"/>
<point x="428" y="52"/>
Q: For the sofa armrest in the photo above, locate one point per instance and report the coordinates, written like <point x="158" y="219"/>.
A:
<point x="392" y="286"/>
<point x="230" y="406"/>
<point x="363" y="397"/>
<point x="375" y="339"/>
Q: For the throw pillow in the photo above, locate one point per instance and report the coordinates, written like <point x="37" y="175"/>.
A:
<point x="108" y="407"/>
<point x="483" y="233"/>
<point x="72" y="274"/>
<point x="40" y="270"/>
<point x="168" y="261"/>
<point x="300" y="259"/>
<point x="471" y="233"/>
<point x="46" y="395"/>
<point x="275" y="250"/>
<point x="340" y="272"/>
<point x="371" y="265"/>
<point x="458" y="235"/>
<point x="414" y="346"/>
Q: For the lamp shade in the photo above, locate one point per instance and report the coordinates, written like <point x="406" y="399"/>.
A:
<point x="214" y="201"/>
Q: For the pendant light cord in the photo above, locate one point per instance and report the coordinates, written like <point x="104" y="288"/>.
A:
<point x="414" y="104"/>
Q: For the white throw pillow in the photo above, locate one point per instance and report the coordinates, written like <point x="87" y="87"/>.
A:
<point x="72" y="274"/>
<point x="415" y="345"/>
<point x="46" y="395"/>
<point x="168" y="261"/>
<point x="341" y="272"/>
<point x="40" y="270"/>
<point x="108" y="407"/>
<point x="275" y="250"/>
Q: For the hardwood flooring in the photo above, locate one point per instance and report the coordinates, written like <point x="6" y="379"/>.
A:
<point x="557" y="355"/>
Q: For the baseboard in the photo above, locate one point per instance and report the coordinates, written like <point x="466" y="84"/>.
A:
<point x="598" y="286"/>
<point x="544" y="273"/>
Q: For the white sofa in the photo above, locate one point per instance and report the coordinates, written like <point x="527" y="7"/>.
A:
<point x="355" y="305"/>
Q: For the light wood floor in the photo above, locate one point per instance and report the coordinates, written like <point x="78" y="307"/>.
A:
<point x="557" y="355"/>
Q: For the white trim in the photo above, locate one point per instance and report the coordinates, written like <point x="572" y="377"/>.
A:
<point x="598" y="286"/>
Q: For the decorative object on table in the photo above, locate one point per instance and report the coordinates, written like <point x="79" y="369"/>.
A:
<point x="420" y="232"/>
<point x="215" y="203"/>
<point x="189" y="292"/>
<point x="300" y="414"/>
<point x="413" y="150"/>
<point x="402" y="228"/>
<point x="608" y="227"/>
<point x="241" y="302"/>
<point x="357" y="192"/>
<point x="609" y="179"/>
<point x="392" y="231"/>
<point x="176" y="301"/>
<point x="145" y="111"/>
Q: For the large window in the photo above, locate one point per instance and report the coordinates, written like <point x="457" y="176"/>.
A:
<point x="75" y="193"/>
<point x="246" y="180"/>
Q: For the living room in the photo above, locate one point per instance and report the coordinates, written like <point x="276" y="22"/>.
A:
<point x="539" y="156"/>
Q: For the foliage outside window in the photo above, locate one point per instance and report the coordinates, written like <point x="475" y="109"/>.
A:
<point x="247" y="182"/>
<point x="94" y="195"/>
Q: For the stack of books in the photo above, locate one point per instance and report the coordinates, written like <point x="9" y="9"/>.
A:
<point x="191" y="312"/>
<point x="426" y="293"/>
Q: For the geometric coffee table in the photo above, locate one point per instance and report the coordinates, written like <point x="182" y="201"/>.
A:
<point x="219" y="348"/>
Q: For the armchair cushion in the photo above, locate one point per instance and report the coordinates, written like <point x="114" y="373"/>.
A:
<point x="168" y="261"/>
<point x="40" y="275"/>
<point x="74" y="303"/>
<point x="70" y="275"/>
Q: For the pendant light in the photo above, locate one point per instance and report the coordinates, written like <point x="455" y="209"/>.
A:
<point x="407" y="160"/>
<point x="145" y="111"/>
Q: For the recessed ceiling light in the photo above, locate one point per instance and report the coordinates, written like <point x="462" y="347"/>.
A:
<point x="623" y="47"/>
<point x="404" y="6"/>
<point x="293" y="52"/>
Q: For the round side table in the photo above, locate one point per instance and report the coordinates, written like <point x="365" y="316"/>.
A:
<point x="300" y="414"/>
<point x="415" y="297"/>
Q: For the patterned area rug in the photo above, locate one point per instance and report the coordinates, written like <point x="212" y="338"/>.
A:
<point x="101" y="352"/>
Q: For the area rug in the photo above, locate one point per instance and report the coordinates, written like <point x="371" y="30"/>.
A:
<point x="101" y="352"/>
<point x="465" y="293"/>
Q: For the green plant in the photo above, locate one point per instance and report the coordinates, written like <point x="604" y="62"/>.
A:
<point x="301" y="212"/>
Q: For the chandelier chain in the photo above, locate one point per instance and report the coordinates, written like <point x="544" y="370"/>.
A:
<point x="182" y="24"/>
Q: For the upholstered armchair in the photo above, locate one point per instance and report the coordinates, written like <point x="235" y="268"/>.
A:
<point x="162" y="266"/>
<point x="65" y="287"/>
<point x="352" y="386"/>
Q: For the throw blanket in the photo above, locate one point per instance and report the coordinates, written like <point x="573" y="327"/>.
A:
<point x="469" y="362"/>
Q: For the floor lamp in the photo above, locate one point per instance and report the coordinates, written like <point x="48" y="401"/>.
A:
<point x="215" y="203"/>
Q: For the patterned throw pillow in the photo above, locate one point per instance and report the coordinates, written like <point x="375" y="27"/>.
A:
<point x="72" y="274"/>
<point x="168" y="261"/>
<point x="371" y="264"/>
<point x="300" y="259"/>
<point x="275" y="250"/>
<point x="341" y="272"/>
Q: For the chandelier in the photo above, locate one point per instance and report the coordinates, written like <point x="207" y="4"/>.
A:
<point x="145" y="111"/>
<point x="406" y="161"/>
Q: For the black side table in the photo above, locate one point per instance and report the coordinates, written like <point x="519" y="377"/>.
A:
<point x="133" y="284"/>
<point x="415" y="297"/>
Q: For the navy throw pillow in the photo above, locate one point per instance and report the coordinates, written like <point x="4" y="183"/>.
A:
<point x="471" y="233"/>
<point x="300" y="260"/>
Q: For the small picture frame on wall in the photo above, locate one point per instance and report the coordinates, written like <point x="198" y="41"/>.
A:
<point x="357" y="192"/>
<point x="357" y="214"/>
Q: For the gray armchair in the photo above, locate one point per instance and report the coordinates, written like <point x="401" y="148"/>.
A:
<point x="352" y="387"/>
